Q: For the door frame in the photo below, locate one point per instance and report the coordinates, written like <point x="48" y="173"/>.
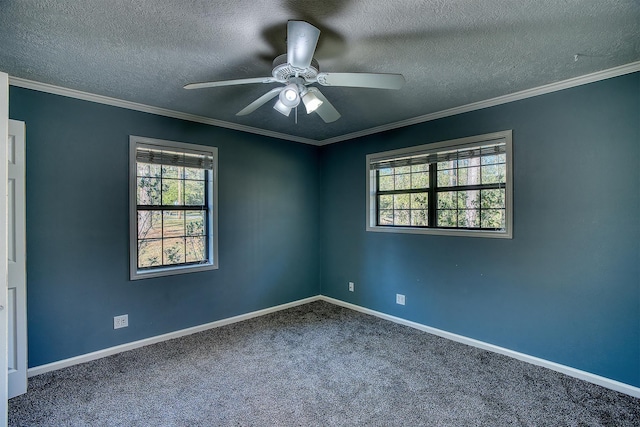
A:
<point x="4" y="136"/>
<point x="16" y="307"/>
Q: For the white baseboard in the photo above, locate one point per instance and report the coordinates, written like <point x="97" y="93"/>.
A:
<point x="37" y="370"/>
<point x="567" y="370"/>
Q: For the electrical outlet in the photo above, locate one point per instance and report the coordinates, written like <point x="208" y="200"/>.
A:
<point x="351" y="286"/>
<point x="400" y="299"/>
<point x="121" y="321"/>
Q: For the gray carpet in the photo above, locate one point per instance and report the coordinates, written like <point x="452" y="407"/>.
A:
<point x="315" y="365"/>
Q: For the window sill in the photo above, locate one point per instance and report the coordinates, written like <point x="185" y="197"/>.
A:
<point x="442" y="232"/>
<point x="170" y="271"/>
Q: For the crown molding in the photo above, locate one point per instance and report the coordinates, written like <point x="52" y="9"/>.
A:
<point x="115" y="102"/>
<point x="504" y="99"/>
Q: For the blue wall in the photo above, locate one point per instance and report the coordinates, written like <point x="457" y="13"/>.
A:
<point x="77" y="227"/>
<point x="566" y="288"/>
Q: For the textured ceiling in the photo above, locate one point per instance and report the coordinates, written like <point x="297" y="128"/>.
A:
<point x="451" y="52"/>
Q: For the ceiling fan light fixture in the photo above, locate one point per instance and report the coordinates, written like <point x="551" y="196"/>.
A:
<point x="296" y="70"/>
<point x="311" y="102"/>
<point x="290" y="96"/>
<point x="281" y="108"/>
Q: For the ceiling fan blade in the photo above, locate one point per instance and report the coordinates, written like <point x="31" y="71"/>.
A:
<point x="302" y="39"/>
<point x="230" y="82"/>
<point x="326" y="111"/>
<point x="371" y="80"/>
<point x="259" y="102"/>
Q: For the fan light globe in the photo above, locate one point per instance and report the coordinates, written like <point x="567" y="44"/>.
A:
<point x="281" y="108"/>
<point x="289" y="96"/>
<point x="311" y="102"/>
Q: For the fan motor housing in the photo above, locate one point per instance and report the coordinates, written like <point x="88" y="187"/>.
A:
<point x="283" y="71"/>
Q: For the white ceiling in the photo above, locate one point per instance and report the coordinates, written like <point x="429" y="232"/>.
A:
<point x="451" y="52"/>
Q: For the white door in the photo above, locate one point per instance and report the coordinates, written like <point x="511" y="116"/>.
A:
<point x="4" y="133"/>
<point x="16" y="256"/>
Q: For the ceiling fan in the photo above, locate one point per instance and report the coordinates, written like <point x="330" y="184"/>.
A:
<point x="297" y="70"/>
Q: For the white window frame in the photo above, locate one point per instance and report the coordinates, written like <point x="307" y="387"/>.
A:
<point x="212" y="219"/>
<point x="460" y="143"/>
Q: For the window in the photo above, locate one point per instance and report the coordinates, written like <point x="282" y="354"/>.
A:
<point x="461" y="187"/>
<point x="173" y="207"/>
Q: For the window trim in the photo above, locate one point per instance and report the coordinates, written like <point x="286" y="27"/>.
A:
<point x="212" y="220"/>
<point x="432" y="148"/>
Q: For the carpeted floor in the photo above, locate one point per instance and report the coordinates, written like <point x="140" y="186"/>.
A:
<point x="315" y="365"/>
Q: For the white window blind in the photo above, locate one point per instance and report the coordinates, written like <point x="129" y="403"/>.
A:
<point x="150" y="155"/>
